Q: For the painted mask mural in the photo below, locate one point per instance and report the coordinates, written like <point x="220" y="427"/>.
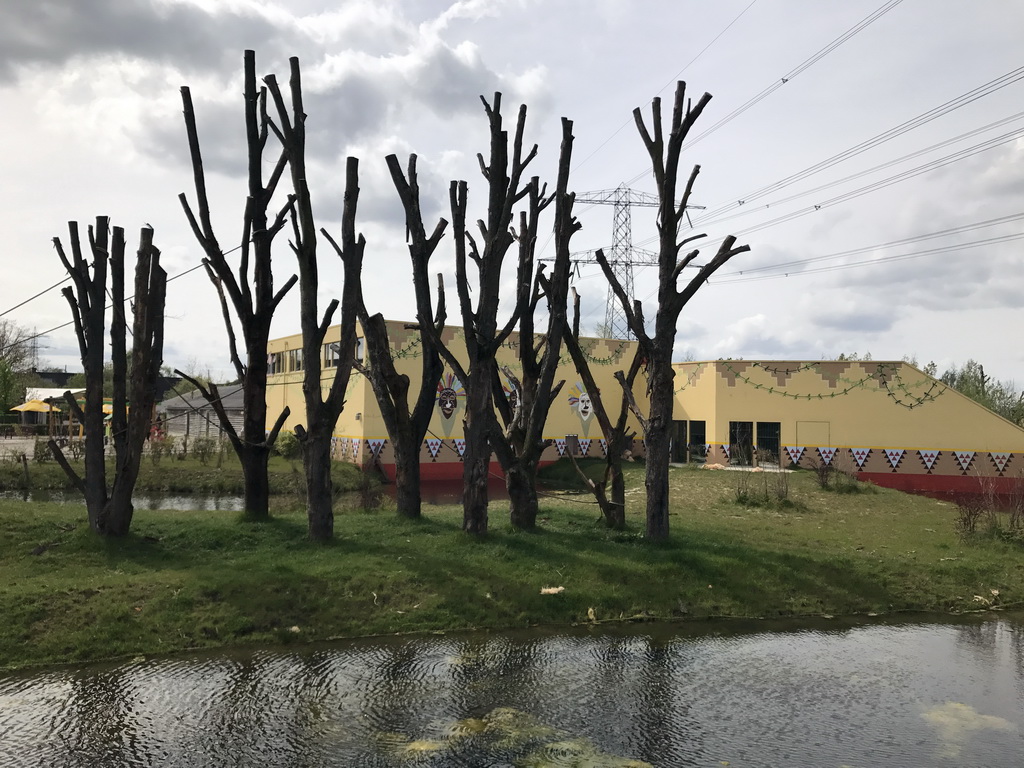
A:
<point x="511" y="393"/>
<point x="580" y="400"/>
<point x="449" y="390"/>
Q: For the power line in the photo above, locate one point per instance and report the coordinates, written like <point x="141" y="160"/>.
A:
<point x="672" y="81"/>
<point x="891" y="180"/>
<point x="871" y="262"/>
<point x="987" y="144"/>
<point x="941" y="110"/>
<point x="108" y="306"/>
<point x="799" y="69"/>
<point x="33" y="298"/>
<point x="878" y="246"/>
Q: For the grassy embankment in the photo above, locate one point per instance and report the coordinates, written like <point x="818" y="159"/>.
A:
<point x="196" y="579"/>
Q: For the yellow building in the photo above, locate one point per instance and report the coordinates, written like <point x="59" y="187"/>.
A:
<point x="889" y="422"/>
<point x="361" y="437"/>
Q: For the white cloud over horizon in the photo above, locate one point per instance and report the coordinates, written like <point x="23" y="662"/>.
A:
<point x="93" y="126"/>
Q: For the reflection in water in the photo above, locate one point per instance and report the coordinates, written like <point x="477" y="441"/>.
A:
<point x="906" y="695"/>
<point x="184" y="502"/>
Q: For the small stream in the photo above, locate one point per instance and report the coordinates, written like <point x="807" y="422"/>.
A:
<point x="726" y="694"/>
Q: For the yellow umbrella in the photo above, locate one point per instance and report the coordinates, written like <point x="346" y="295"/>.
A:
<point x="36" y="406"/>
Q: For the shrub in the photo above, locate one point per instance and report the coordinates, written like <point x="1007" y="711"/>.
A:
<point x="823" y="472"/>
<point x="75" y="448"/>
<point x="287" y="445"/>
<point x="204" y="448"/>
<point x="762" y="489"/>
<point x="988" y="514"/>
<point x="160" y="447"/>
<point x="41" y="452"/>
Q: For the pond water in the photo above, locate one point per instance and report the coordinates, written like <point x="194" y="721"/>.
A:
<point x="434" y="492"/>
<point x="181" y="502"/>
<point x="935" y="694"/>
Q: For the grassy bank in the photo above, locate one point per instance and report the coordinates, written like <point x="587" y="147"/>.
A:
<point x="191" y="579"/>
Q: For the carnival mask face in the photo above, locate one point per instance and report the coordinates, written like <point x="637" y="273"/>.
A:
<point x="447" y="401"/>
<point x="585" y="408"/>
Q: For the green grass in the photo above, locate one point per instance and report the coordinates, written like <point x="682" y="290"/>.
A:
<point x="201" y="579"/>
<point x="171" y="475"/>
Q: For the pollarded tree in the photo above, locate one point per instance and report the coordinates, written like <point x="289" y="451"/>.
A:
<point x="610" y="492"/>
<point x="321" y="411"/>
<point x="520" y="446"/>
<point x="657" y="348"/>
<point x="503" y="172"/>
<point x="110" y="509"/>
<point x="408" y="426"/>
<point x="249" y="294"/>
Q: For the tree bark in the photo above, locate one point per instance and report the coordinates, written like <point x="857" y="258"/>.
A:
<point x="477" y="455"/>
<point x="250" y="294"/>
<point x="110" y="510"/>
<point x="316" y="460"/>
<point x="322" y="411"/>
<point x="521" y="484"/>
<point x="407" y="474"/>
<point x="657" y="349"/>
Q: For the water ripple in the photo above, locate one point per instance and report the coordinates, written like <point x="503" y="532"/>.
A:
<point x="880" y="695"/>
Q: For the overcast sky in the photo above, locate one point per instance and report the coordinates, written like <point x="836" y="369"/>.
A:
<point x="92" y="126"/>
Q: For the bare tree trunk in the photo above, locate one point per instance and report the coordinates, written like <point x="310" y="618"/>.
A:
<point x="521" y="483"/>
<point x="657" y="349"/>
<point x="110" y="509"/>
<point x="477" y="455"/>
<point x="316" y="460"/>
<point x="250" y="297"/>
<point x="322" y="412"/>
<point x="407" y="474"/>
<point x="656" y="447"/>
<point x="407" y="427"/>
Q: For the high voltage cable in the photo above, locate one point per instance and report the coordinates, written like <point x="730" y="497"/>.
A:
<point x="33" y="298"/>
<point x="881" y="167"/>
<point x="889" y="181"/>
<point x="925" y="117"/>
<point x="871" y="262"/>
<point x="890" y="244"/>
<point x="910" y="156"/>
<point x="800" y="68"/>
<point x="629" y="120"/>
<point x="108" y="306"/>
<point x="745" y="275"/>
<point x="909" y="173"/>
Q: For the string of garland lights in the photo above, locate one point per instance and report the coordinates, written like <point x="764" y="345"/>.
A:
<point x="410" y="350"/>
<point x="614" y="357"/>
<point x="698" y="369"/>
<point x="935" y="389"/>
<point x="882" y="374"/>
<point x="774" y="371"/>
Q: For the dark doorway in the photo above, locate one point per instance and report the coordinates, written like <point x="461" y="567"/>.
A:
<point x="741" y="443"/>
<point x="698" y="441"/>
<point x="769" y="436"/>
<point x="679" y="442"/>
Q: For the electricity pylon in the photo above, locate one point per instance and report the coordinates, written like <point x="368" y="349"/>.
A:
<point x="623" y="256"/>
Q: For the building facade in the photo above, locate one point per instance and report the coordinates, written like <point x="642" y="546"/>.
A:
<point x="886" y="421"/>
<point x="361" y="437"/>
